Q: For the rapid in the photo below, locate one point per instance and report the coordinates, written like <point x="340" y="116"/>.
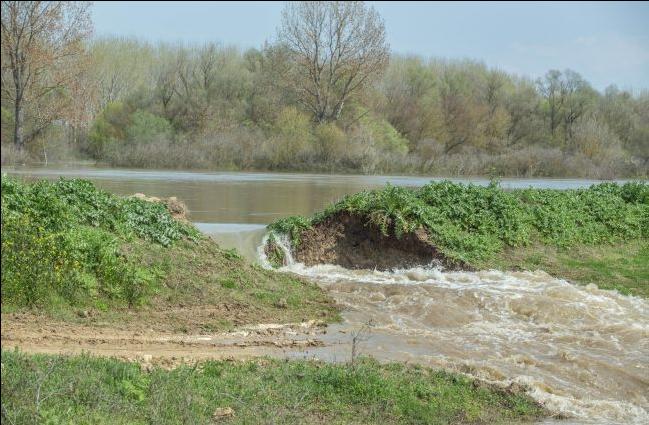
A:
<point x="581" y="351"/>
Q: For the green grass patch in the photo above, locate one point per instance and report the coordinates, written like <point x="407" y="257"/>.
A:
<point x="84" y="389"/>
<point x="200" y="273"/>
<point x="63" y="239"/>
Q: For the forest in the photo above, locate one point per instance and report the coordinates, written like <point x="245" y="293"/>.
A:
<point x="323" y="94"/>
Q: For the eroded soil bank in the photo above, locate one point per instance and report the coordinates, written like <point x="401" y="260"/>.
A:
<point x="352" y="242"/>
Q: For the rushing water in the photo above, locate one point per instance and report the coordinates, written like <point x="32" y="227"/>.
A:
<point x="582" y="351"/>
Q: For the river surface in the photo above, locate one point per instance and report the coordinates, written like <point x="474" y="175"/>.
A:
<point x="582" y="351"/>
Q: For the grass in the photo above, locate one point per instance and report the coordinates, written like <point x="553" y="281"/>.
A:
<point x="67" y="245"/>
<point x="200" y="273"/>
<point x="623" y="267"/>
<point x="84" y="389"/>
<point x="579" y="234"/>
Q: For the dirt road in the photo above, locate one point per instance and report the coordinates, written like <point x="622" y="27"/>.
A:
<point x="156" y="345"/>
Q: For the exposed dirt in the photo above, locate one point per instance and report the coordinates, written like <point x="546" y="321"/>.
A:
<point x="177" y="208"/>
<point x="351" y="242"/>
<point x="35" y="333"/>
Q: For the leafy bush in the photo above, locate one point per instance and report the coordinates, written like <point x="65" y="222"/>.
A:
<point x="119" y="126"/>
<point x="66" y="203"/>
<point x="108" y="129"/>
<point x="146" y="128"/>
<point x="78" y="265"/>
<point x="291" y="139"/>
<point x="151" y="221"/>
<point x="331" y="142"/>
<point x="63" y="239"/>
<point x="293" y="226"/>
<point x="384" y="135"/>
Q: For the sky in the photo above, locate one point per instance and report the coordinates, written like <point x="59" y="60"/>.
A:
<point x="606" y="42"/>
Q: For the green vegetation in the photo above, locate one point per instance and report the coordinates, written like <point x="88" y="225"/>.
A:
<point x="83" y="389"/>
<point x="62" y="239"/>
<point x="274" y="253"/>
<point x="482" y="227"/>
<point x="197" y="274"/>
<point x="210" y="106"/>
<point x="67" y="244"/>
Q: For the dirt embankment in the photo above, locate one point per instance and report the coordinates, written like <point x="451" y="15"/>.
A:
<point x="352" y="242"/>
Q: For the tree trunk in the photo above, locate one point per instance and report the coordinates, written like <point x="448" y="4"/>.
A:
<point x="19" y="140"/>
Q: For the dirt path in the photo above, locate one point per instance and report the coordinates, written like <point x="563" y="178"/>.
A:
<point x="38" y="334"/>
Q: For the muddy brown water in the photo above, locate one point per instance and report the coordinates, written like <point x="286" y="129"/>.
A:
<point x="581" y="351"/>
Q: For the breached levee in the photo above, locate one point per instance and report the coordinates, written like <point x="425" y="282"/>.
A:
<point x="580" y="351"/>
<point x="352" y="242"/>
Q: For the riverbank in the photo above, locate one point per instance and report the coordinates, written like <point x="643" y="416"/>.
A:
<point x="577" y="350"/>
<point x="78" y="253"/>
<point x="575" y="234"/>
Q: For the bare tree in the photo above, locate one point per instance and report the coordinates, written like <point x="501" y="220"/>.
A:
<point x="41" y="44"/>
<point x="568" y="98"/>
<point x="550" y="88"/>
<point x="334" y="50"/>
<point x="578" y="97"/>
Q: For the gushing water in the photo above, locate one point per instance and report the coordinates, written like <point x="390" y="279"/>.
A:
<point x="283" y="243"/>
<point x="581" y="351"/>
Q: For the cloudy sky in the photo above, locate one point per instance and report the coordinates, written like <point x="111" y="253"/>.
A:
<point x="607" y="42"/>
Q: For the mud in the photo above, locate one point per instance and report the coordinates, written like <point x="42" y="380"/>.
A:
<point x="34" y="333"/>
<point x="350" y="241"/>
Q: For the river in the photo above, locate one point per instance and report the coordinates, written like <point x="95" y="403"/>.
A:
<point x="582" y="351"/>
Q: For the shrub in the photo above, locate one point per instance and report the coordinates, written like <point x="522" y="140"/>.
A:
<point x="293" y="226"/>
<point x="291" y="139"/>
<point x="79" y="265"/>
<point x="331" y="142"/>
<point x="63" y="239"/>
<point x="66" y="203"/>
<point x="147" y="128"/>
<point x="595" y="140"/>
<point x="108" y="129"/>
<point x="384" y="136"/>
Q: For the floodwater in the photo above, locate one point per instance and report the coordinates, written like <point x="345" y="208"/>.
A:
<point x="582" y="351"/>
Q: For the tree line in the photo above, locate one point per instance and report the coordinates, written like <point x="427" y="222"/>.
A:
<point x="325" y="94"/>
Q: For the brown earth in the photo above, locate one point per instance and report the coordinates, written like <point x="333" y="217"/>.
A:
<point x="351" y="242"/>
<point x="177" y="208"/>
<point x="163" y="344"/>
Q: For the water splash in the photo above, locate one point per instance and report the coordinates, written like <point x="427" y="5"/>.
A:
<point x="283" y="242"/>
